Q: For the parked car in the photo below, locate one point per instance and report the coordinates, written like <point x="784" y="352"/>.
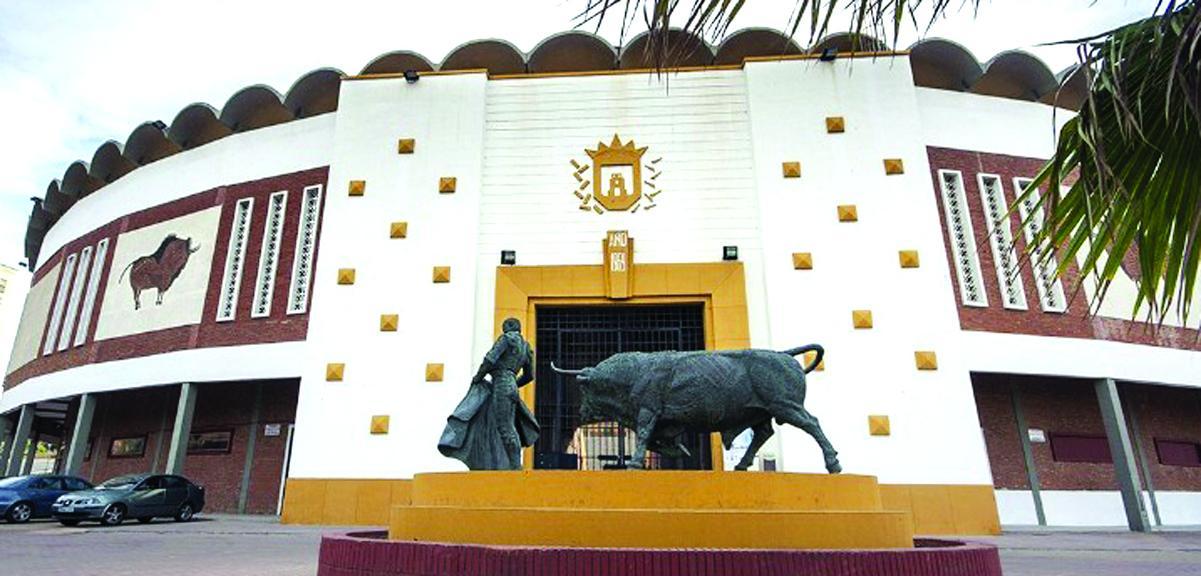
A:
<point x="25" y="497"/>
<point x="142" y="497"/>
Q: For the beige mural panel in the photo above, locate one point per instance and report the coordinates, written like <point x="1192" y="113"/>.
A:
<point x="160" y="276"/>
<point x="33" y="320"/>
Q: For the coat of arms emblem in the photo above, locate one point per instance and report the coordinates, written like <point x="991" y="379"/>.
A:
<point x="619" y="175"/>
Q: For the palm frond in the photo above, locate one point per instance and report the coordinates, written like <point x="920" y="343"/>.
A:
<point x="1129" y="163"/>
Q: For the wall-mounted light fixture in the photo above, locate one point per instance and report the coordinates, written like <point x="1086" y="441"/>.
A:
<point x="411" y="76"/>
<point x="729" y="253"/>
<point x="829" y="54"/>
<point x="508" y="257"/>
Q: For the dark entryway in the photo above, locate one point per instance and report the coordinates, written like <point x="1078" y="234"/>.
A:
<point x="578" y="336"/>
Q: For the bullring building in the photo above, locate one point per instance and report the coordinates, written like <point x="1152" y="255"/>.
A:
<point x="283" y="298"/>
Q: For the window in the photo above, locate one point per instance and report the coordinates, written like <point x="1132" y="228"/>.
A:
<point x="273" y="236"/>
<point x="129" y="447"/>
<point x="1000" y="237"/>
<point x="235" y="253"/>
<point x="75" y="484"/>
<point x="962" y="238"/>
<point x="60" y="302"/>
<point x="85" y="259"/>
<point x="1178" y="453"/>
<point x="45" y="484"/>
<point x="1080" y="448"/>
<point x="306" y="243"/>
<point x="216" y="442"/>
<point x="1050" y="289"/>
<point x="87" y="454"/>
<point x="174" y="482"/>
<point x="89" y="300"/>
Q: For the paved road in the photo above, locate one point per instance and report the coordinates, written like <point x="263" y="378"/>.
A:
<point x="246" y="546"/>
<point x="211" y="545"/>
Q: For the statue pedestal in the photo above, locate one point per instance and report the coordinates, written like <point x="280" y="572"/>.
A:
<point x="650" y="509"/>
<point x="648" y="523"/>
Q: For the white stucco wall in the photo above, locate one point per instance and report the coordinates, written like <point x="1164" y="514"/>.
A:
<point x="385" y="370"/>
<point x="855" y="266"/>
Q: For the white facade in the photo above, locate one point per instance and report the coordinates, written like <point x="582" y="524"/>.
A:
<point x="720" y="137"/>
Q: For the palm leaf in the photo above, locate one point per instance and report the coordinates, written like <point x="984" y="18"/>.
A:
<point x="1130" y="163"/>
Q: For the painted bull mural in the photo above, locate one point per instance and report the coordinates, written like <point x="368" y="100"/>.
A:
<point x="662" y="395"/>
<point x="160" y="269"/>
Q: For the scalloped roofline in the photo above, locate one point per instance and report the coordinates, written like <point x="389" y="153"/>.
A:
<point x="1034" y="70"/>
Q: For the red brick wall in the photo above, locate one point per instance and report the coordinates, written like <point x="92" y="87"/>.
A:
<point x="1075" y="322"/>
<point x="219" y="406"/>
<point x="1168" y="414"/>
<point x="278" y="327"/>
<point x="995" y="408"/>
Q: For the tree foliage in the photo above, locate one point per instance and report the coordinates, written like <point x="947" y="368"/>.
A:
<point x="1129" y="163"/>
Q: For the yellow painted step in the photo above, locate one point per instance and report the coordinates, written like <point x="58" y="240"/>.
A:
<point x="642" y="528"/>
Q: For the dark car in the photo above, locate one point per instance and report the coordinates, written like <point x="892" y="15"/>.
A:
<point x="143" y="497"/>
<point x="25" y="497"/>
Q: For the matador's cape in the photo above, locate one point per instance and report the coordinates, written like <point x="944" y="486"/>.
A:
<point x="471" y="435"/>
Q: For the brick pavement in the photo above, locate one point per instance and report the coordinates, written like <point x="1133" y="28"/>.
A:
<point x="247" y="545"/>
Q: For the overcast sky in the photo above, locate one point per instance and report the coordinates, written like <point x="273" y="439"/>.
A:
<point x="74" y="73"/>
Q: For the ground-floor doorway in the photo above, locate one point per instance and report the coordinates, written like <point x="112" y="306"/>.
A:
<point x="578" y="336"/>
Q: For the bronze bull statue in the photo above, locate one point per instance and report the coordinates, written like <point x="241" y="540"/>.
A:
<point x="160" y="269"/>
<point x="662" y="395"/>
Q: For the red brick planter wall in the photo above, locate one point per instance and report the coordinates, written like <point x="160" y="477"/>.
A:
<point x="370" y="554"/>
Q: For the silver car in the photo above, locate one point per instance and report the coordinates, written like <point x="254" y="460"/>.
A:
<point x="139" y="496"/>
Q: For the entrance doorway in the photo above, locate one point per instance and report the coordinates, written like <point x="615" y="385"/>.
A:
<point x="578" y="336"/>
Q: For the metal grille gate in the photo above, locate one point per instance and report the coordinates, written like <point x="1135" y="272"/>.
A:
<point x="578" y="336"/>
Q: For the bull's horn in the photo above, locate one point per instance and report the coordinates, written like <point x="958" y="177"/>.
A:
<point x="562" y="371"/>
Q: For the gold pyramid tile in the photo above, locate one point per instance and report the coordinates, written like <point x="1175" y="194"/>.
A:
<point x="433" y="372"/>
<point x="810" y="356"/>
<point x="877" y="425"/>
<point x="848" y="213"/>
<point x="388" y="322"/>
<point x="909" y="259"/>
<point x="835" y="125"/>
<point x="792" y="169"/>
<point x="894" y="166"/>
<point x="379" y="424"/>
<point x="357" y="187"/>
<point x="925" y="360"/>
<point x="802" y="261"/>
<point x="446" y="184"/>
<point x="406" y="146"/>
<point x="441" y="274"/>
<point x="334" y="371"/>
<point x="399" y="230"/>
<point x="862" y="319"/>
<point x="345" y="275"/>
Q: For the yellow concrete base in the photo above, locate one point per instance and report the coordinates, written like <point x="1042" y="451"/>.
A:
<point x="935" y="509"/>
<point x="663" y="528"/>
<point x="650" y="509"/>
<point x="342" y="502"/>
<point x="943" y="509"/>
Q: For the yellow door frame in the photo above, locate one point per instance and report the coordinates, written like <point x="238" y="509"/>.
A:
<point x="719" y="286"/>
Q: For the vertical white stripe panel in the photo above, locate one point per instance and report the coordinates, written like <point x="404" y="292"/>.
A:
<point x="60" y="302"/>
<point x="89" y="301"/>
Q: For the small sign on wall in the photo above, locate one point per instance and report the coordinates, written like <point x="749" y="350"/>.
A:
<point x="271" y="430"/>
<point x="1037" y="435"/>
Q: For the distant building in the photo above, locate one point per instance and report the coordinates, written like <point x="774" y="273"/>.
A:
<point x="311" y="279"/>
<point x="14" y="284"/>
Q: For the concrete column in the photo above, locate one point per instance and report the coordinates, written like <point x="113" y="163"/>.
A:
<point x="1123" y="454"/>
<point x="1027" y="454"/>
<point x="182" y="429"/>
<point x="79" y="435"/>
<point x="251" y="437"/>
<point x="6" y="441"/>
<point x="19" y="438"/>
<point x="31" y="454"/>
